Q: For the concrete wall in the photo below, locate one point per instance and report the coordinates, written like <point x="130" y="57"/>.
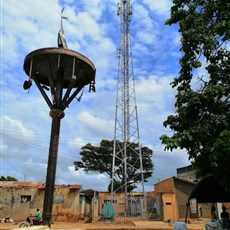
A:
<point x="187" y="172"/>
<point x="175" y="193"/>
<point x="69" y="209"/>
<point x="169" y="207"/>
<point x="182" y="191"/>
<point x="12" y="203"/>
<point x="20" y="202"/>
<point x="165" y="186"/>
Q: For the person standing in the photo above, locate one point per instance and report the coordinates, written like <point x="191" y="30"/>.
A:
<point x="200" y="211"/>
<point x="224" y="218"/>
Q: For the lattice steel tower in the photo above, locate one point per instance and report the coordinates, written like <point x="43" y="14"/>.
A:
<point x="126" y="118"/>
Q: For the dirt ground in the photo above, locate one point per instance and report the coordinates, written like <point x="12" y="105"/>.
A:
<point x="105" y="225"/>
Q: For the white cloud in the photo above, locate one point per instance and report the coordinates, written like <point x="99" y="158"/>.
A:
<point x="94" y="8"/>
<point x="166" y="162"/>
<point x="76" y="143"/>
<point x="94" y="124"/>
<point x="93" y="30"/>
<point x="99" y="182"/>
<point x="145" y="37"/>
<point x="143" y="27"/>
<point x="159" y="7"/>
<point x="19" y="129"/>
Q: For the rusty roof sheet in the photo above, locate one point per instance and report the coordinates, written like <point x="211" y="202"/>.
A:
<point x="38" y="185"/>
<point x="19" y="184"/>
<point x="70" y="186"/>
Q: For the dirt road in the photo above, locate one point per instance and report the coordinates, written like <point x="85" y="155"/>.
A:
<point x="156" y="225"/>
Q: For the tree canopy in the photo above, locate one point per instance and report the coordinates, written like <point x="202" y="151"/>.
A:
<point x="7" y="178"/>
<point x="201" y="124"/>
<point x="100" y="159"/>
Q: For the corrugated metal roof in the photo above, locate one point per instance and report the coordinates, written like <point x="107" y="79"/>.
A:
<point x="39" y="185"/>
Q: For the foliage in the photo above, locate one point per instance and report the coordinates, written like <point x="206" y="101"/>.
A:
<point x="117" y="187"/>
<point x="100" y="159"/>
<point x="8" y="178"/>
<point x="202" y="121"/>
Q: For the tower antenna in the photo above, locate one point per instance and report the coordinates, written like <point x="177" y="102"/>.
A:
<point x="126" y="132"/>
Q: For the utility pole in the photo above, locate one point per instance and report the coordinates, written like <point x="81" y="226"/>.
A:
<point x="126" y="128"/>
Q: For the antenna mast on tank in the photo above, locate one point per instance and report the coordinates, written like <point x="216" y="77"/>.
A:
<point x="126" y="118"/>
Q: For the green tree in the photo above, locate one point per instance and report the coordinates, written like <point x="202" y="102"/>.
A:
<point x="201" y="124"/>
<point x="117" y="187"/>
<point x="100" y="158"/>
<point x="8" y="178"/>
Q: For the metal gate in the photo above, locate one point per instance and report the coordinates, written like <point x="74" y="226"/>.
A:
<point x="131" y="209"/>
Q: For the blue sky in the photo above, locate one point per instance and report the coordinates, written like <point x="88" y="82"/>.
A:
<point x="93" y="30"/>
